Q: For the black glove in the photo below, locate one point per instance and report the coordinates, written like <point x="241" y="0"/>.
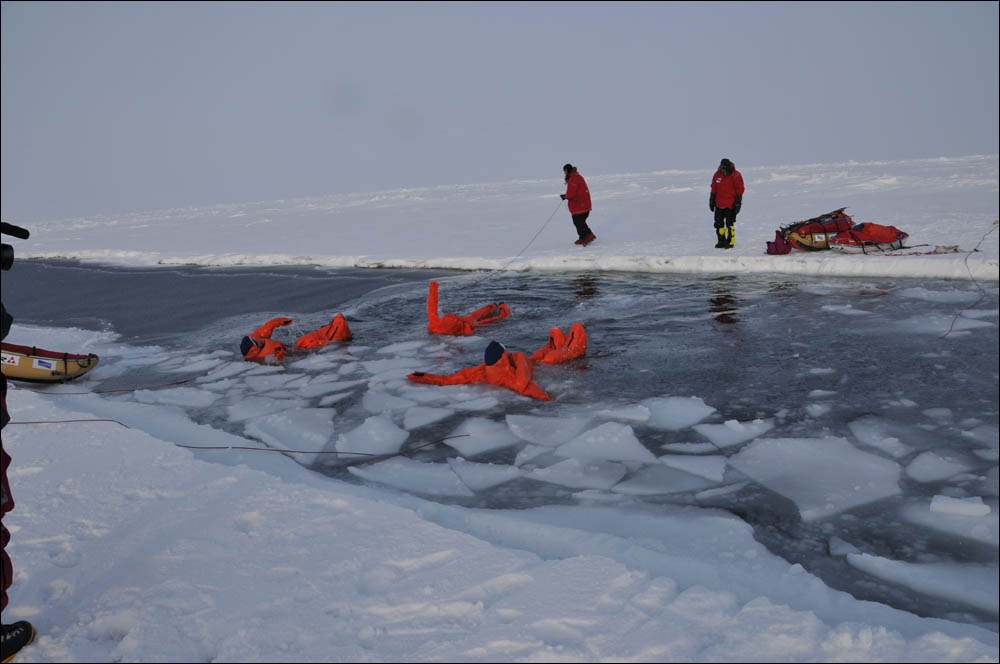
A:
<point x="711" y="203"/>
<point x="737" y="204"/>
<point x="562" y="196"/>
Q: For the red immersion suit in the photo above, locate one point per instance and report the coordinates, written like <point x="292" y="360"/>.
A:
<point x="460" y="325"/>
<point x="512" y="370"/>
<point x="258" y="344"/>
<point x="560" y="347"/>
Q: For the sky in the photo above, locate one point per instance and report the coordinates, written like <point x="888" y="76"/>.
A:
<point x="121" y="107"/>
<point x="128" y="547"/>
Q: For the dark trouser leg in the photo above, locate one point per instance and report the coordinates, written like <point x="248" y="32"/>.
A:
<point x="720" y="228"/>
<point x="580" y="221"/>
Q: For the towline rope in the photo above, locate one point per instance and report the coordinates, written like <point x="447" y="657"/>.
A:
<point x="530" y="242"/>
<point x="982" y="291"/>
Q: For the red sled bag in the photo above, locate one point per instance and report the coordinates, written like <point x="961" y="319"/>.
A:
<point x="866" y="238"/>
<point x="780" y="245"/>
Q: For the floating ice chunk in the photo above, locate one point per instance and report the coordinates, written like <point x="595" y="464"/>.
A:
<point x="973" y="506"/>
<point x="659" y="479"/>
<point x="315" y="361"/>
<point x="821" y="394"/>
<point x="482" y="403"/>
<point x="252" y="406"/>
<point x="481" y="435"/>
<point x="937" y="324"/>
<point x="985" y="528"/>
<point x="611" y="440"/>
<point x="929" y="467"/>
<point x="419" y="416"/>
<point x="482" y="476"/>
<point x="676" y="413"/>
<point x="734" y="432"/>
<point x="376" y="435"/>
<point x="381" y="402"/>
<point x="635" y="413"/>
<point x="187" y="397"/>
<point x="984" y="434"/>
<point x="710" y="467"/>
<point x="315" y="388"/>
<point x="264" y="369"/>
<point x="551" y="431"/>
<point x="939" y="415"/>
<point x="397" y="366"/>
<point x="689" y="448"/>
<point x="306" y="429"/>
<point x="196" y="364"/>
<point x="950" y="295"/>
<point x="581" y="474"/>
<point x="227" y="370"/>
<point x="708" y="494"/>
<point x="333" y="398"/>
<point x="433" y="479"/>
<point x="403" y="347"/>
<point x="529" y="453"/>
<point x="874" y="432"/>
<point x="964" y="583"/>
<point x="821" y="476"/>
<point x="845" y="309"/>
<point x="818" y="409"/>
<point x="821" y="371"/>
<point x="267" y="383"/>
<point x="839" y="547"/>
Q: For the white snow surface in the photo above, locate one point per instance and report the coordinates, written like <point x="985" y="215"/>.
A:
<point x="128" y="547"/>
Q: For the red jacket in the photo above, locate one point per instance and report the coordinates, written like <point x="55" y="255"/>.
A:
<point x="460" y="325"/>
<point x="512" y="370"/>
<point x="577" y="194"/>
<point x="726" y="188"/>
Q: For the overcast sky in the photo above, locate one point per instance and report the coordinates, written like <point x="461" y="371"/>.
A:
<point x="122" y="106"/>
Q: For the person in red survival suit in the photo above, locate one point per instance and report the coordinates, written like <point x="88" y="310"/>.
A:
<point x="578" y="198"/>
<point x="562" y="347"/>
<point x="500" y="367"/>
<point x="725" y="200"/>
<point x="461" y="325"/>
<point x="259" y="345"/>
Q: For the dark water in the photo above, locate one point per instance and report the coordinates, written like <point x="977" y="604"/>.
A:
<point x="745" y="345"/>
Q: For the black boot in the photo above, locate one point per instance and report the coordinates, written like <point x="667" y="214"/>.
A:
<point x="14" y="637"/>
<point x="720" y="243"/>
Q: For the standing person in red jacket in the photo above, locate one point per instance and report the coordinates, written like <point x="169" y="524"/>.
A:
<point x="578" y="196"/>
<point x="725" y="201"/>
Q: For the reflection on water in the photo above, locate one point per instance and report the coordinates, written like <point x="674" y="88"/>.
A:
<point x="724" y="305"/>
<point x="585" y="286"/>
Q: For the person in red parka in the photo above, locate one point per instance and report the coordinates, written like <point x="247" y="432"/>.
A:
<point x="259" y="345"/>
<point x="461" y="325"/>
<point x="500" y="367"/>
<point x="725" y="200"/>
<point x="578" y="197"/>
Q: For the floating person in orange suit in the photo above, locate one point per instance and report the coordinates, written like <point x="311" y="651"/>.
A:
<point x="562" y="347"/>
<point x="500" y="367"/>
<point x="258" y="344"/>
<point x="460" y="325"/>
<point x="513" y="370"/>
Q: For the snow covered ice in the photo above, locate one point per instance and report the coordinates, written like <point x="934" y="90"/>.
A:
<point x="724" y="476"/>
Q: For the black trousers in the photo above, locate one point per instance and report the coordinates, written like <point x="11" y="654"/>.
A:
<point x="725" y="217"/>
<point x="580" y="221"/>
